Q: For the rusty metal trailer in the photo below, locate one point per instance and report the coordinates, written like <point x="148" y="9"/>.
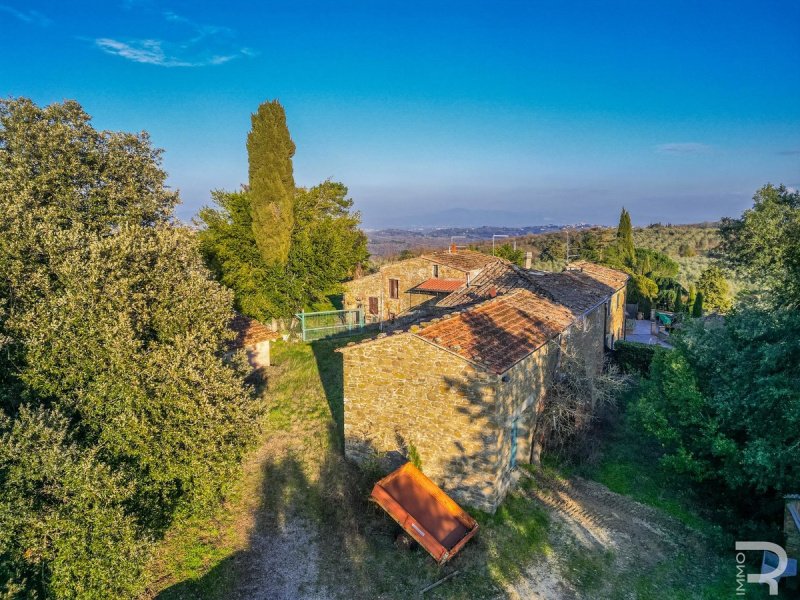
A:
<point x="425" y="512"/>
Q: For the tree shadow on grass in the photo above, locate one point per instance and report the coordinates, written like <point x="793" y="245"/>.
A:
<point x="330" y="367"/>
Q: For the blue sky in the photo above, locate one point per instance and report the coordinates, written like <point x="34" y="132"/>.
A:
<point x="515" y="112"/>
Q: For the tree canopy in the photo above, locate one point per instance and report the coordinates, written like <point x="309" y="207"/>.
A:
<point x="270" y="150"/>
<point x="626" y="249"/>
<point x="324" y="244"/>
<point x="109" y="323"/>
<point x="715" y="290"/>
<point x="696" y="396"/>
<point x="763" y="245"/>
<point x="515" y="255"/>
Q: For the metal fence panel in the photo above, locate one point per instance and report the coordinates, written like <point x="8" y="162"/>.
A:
<point x="329" y="323"/>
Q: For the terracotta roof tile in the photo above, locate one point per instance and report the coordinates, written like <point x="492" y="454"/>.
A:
<point x="501" y="332"/>
<point x="579" y="288"/>
<point x="499" y="278"/>
<point x="249" y="332"/>
<point x="461" y="259"/>
<point x="439" y="285"/>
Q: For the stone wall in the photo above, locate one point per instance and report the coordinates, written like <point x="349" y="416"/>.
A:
<point x="522" y="391"/>
<point x="402" y="391"/>
<point x="617" y="315"/>
<point x="410" y="273"/>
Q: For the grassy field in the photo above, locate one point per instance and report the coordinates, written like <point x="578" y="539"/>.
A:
<point x="298" y="482"/>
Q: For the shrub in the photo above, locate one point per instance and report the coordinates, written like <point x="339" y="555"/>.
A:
<point x="634" y="357"/>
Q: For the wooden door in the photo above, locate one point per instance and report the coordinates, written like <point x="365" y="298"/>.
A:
<point x="373" y="305"/>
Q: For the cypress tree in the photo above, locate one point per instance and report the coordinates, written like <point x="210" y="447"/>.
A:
<point x="692" y="297"/>
<point x="270" y="149"/>
<point x="697" y="308"/>
<point x="678" y="301"/>
<point x="625" y="238"/>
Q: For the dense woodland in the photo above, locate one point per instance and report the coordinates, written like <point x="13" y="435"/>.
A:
<point x="120" y="415"/>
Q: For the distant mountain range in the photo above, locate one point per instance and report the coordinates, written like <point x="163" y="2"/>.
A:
<point x="385" y="242"/>
<point x="463" y="217"/>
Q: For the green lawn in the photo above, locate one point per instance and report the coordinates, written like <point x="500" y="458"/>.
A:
<point x="299" y="473"/>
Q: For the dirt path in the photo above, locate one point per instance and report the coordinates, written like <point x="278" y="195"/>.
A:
<point x="591" y="520"/>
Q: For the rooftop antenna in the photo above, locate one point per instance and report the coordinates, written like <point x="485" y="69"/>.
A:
<point x="497" y="235"/>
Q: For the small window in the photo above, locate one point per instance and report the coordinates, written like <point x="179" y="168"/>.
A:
<point x="394" y="289"/>
<point x="436" y="270"/>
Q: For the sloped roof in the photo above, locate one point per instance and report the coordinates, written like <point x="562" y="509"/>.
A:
<point x="610" y="277"/>
<point x="250" y="332"/>
<point x="530" y="308"/>
<point x="461" y="259"/>
<point x="434" y="284"/>
<point x="500" y="278"/>
<point x="499" y="333"/>
<point x="579" y="288"/>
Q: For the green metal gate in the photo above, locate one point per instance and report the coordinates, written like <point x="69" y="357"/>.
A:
<point x="329" y="323"/>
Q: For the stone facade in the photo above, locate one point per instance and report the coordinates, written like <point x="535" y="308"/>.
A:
<point x="409" y="273"/>
<point x="791" y="529"/>
<point x="616" y="320"/>
<point x="402" y="391"/>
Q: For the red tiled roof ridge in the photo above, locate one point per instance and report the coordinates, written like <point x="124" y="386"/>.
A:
<point x="444" y="256"/>
<point x="514" y="326"/>
<point x="425" y="322"/>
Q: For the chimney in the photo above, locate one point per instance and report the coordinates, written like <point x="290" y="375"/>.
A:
<point x="492" y="292"/>
<point x="528" y="259"/>
<point x="453" y="249"/>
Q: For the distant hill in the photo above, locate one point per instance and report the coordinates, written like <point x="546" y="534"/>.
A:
<point x="390" y="242"/>
<point x="692" y="245"/>
<point x="463" y="217"/>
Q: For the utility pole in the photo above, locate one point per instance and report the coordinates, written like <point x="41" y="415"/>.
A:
<point x="497" y="235"/>
<point x="569" y="256"/>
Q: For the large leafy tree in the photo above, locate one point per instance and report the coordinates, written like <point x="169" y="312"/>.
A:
<point x="715" y="290"/>
<point x="326" y="246"/>
<point x="327" y="243"/>
<point x="270" y="149"/>
<point x="229" y="246"/>
<point x="280" y="256"/>
<point x="763" y="245"/>
<point x="117" y="411"/>
<point x="696" y="396"/>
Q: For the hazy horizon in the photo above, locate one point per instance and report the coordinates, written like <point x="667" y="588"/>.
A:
<point x="537" y="112"/>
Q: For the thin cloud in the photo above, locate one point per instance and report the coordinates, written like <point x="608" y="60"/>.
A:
<point x="795" y="152"/>
<point x="31" y="17"/>
<point x="201" y="46"/>
<point x="683" y="148"/>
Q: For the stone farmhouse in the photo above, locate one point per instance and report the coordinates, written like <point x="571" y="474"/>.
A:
<point x="464" y="389"/>
<point x="400" y="287"/>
